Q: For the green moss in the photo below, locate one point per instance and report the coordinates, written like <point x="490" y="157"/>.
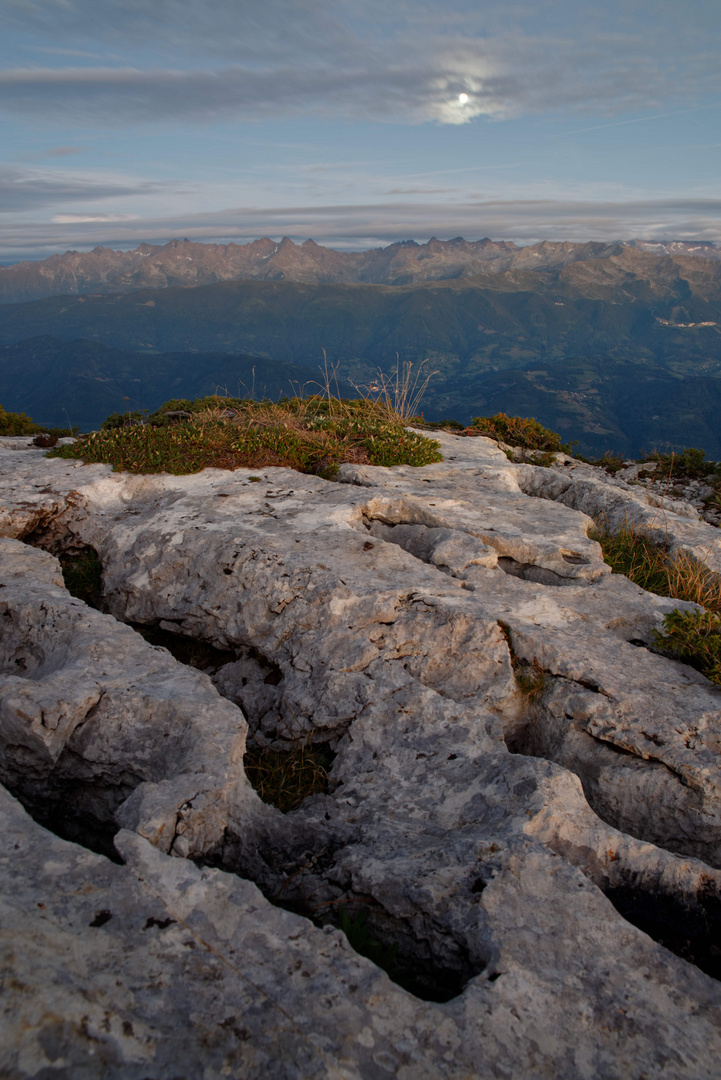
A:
<point x="82" y="574"/>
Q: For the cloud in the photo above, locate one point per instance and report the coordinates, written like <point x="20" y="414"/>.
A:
<point x="406" y="62"/>
<point x="85" y="219"/>
<point x="369" y="225"/>
<point x="63" y="151"/>
<point x="28" y="190"/>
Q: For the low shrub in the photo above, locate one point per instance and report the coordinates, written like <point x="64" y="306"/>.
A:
<point x="313" y="435"/>
<point x="520" y="431"/>
<point x="16" y="424"/>
<point x="19" y="424"/>
<point x="687" y="464"/>
<point x="694" y="637"/>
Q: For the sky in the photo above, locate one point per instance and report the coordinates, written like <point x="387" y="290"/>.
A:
<point x="356" y="122"/>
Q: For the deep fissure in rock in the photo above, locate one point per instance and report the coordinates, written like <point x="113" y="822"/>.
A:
<point x="294" y="867"/>
<point x="81" y="812"/>
<point x="690" y="927"/>
<point x="296" y="870"/>
<point x="191" y="651"/>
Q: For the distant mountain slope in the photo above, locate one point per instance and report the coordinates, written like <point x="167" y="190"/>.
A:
<point x="604" y="404"/>
<point x="464" y="330"/>
<point x="618" y="361"/>
<point x="595" y="270"/>
<point x="79" y="383"/>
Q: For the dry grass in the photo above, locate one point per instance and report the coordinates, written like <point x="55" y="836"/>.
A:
<point x="284" y="778"/>
<point x="629" y="551"/>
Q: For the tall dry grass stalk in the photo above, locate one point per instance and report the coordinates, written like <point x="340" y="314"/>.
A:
<point x="400" y="393"/>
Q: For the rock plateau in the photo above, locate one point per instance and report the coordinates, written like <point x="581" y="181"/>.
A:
<point x="547" y="867"/>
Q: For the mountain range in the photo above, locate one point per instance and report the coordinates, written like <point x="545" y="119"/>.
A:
<point x="593" y="269"/>
<point x="615" y="345"/>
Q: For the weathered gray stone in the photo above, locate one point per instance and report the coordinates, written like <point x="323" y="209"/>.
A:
<point x="375" y="607"/>
<point x="98" y="727"/>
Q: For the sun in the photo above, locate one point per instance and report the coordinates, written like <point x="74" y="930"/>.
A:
<point x="463" y="98"/>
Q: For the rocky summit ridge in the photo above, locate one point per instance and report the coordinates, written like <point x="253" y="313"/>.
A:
<point x="592" y="265"/>
<point x="550" y="861"/>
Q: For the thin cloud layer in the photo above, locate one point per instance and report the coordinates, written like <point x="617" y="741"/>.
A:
<point x="314" y="57"/>
<point x="23" y="190"/>
<point x="361" y="226"/>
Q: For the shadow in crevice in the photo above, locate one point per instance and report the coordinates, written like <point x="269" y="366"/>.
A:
<point x="296" y="869"/>
<point x="193" y="652"/>
<point x="79" y="812"/>
<point x="685" y="919"/>
<point x="689" y="928"/>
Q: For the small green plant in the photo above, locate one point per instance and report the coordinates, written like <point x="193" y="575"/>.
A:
<point x="284" y="778"/>
<point x="530" y="677"/>
<point x="82" y="574"/>
<point x="694" y="637"/>
<point x="520" y="431"/>
<point x="360" y="938"/>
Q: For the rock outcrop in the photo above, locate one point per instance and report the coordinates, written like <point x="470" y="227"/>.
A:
<point x="546" y="866"/>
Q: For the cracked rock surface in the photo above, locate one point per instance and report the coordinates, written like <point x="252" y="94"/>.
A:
<point x="533" y="861"/>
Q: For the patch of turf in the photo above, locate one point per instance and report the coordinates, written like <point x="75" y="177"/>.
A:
<point x="312" y="435"/>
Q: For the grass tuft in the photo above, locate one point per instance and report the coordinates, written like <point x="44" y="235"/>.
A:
<point x="691" y="636"/>
<point x="284" y="778"/>
<point x="631" y="552"/>
<point x="313" y="435"/>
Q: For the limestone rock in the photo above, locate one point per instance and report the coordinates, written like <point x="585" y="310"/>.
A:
<point x="98" y="727"/>
<point x="520" y="853"/>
